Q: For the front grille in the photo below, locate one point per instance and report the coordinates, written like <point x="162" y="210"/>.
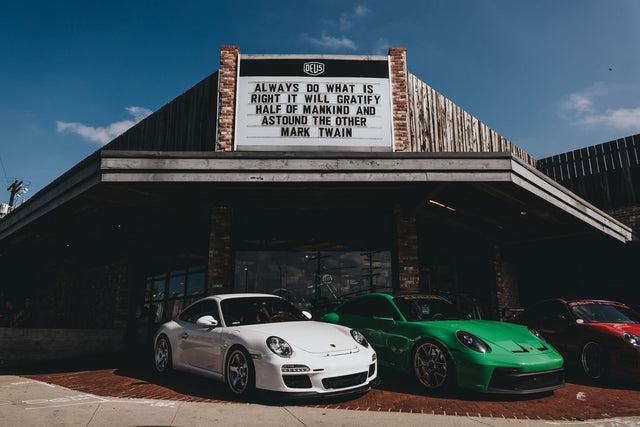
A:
<point x="504" y="379"/>
<point x="297" y="381"/>
<point x="345" y="381"/>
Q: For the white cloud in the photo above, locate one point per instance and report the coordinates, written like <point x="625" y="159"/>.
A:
<point x="344" y="22"/>
<point x="578" y="103"/>
<point x="346" y="19"/>
<point x="105" y="134"/>
<point x="623" y="119"/>
<point x="599" y="106"/>
<point x="382" y="46"/>
<point x="361" y="10"/>
<point x="331" y="42"/>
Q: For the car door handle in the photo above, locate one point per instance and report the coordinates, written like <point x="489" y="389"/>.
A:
<point x="185" y="335"/>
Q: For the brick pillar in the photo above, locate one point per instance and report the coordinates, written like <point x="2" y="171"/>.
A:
<point x="399" y="95"/>
<point x="227" y="96"/>
<point x="219" y="266"/>
<point x="505" y="291"/>
<point x="406" y="252"/>
<point x="628" y="215"/>
<point x="118" y="272"/>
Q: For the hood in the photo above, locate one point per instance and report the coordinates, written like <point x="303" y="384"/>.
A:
<point x="309" y="336"/>
<point x="615" y="328"/>
<point x="507" y="336"/>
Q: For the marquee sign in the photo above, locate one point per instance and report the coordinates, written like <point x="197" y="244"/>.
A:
<point x="301" y="102"/>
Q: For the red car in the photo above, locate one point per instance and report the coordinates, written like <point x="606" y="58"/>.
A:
<point x="601" y="337"/>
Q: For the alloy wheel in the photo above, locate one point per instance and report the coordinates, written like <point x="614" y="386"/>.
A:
<point x="238" y="372"/>
<point x="430" y="366"/>
<point x="162" y="355"/>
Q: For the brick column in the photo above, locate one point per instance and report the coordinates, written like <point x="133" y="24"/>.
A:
<point x="628" y="215"/>
<point x="399" y="95"/>
<point x="227" y="96"/>
<point x="119" y="273"/>
<point x="220" y="264"/>
<point x="505" y="292"/>
<point x="406" y="252"/>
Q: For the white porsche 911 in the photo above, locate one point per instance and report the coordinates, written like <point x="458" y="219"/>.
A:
<point x="260" y="341"/>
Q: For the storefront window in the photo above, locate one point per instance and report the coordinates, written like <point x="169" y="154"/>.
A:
<point x="315" y="281"/>
<point x="196" y="283"/>
<point x="177" y="284"/>
<point x="168" y="294"/>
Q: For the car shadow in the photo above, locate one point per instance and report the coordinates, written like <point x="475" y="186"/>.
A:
<point x="192" y="385"/>
<point x="138" y="369"/>
<point x="398" y="382"/>
<point x="575" y="376"/>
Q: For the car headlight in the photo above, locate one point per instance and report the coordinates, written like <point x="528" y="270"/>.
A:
<point x="632" y="339"/>
<point x="279" y="346"/>
<point x="472" y="341"/>
<point x="537" y="334"/>
<point x="360" y="339"/>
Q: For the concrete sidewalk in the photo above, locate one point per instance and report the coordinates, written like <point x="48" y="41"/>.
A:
<point x="26" y="402"/>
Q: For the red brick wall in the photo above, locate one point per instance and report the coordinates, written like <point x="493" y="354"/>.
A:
<point x="506" y="286"/>
<point x="227" y="89"/>
<point x="220" y="265"/>
<point x="406" y="251"/>
<point x="399" y="96"/>
<point x="23" y="346"/>
<point x="629" y="215"/>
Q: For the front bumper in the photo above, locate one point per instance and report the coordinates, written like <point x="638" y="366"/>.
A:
<point x="326" y="375"/>
<point x="536" y="373"/>
<point x="513" y="381"/>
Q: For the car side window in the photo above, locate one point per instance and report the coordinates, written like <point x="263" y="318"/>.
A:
<point x="202" y="308"/>
<point x="356" y="307"/>
<point x="381" y="307"/>
<point x="549" y="311"/>
<point x="369" y="307"/>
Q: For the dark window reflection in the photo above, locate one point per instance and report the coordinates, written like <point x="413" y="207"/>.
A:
<point x="313" y="280"/>
<point x="166" y="295"/>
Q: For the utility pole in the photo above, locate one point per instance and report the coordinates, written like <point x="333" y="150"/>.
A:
<point x="15" y="189"/>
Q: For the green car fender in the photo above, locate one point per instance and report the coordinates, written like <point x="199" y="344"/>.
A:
<point x="396" y="346"/>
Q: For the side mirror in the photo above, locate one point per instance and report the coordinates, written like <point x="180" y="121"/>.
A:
<point x="307" y="314"/>
<point x="207" y="322"/>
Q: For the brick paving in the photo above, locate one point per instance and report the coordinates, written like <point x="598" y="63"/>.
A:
<point x="577" y="401"/>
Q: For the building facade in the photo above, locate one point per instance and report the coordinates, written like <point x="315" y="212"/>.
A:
<point x="308" y="176"/>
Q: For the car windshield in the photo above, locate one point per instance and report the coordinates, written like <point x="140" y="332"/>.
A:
<point x="420" y="308"/>
<point x="253" y="310"/>
<point x="603" y="312"/>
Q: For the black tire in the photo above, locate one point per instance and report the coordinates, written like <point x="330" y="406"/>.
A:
<point x="163" y="363"/>
<point x="239" y="372"/>
<point x="432" y="367"/>
<point x="594" y="361"/>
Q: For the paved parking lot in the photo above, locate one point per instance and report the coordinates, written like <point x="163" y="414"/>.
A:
<point x="577" y="401"/>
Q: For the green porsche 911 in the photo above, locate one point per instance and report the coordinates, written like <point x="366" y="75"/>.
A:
<point x="426" y="336"/>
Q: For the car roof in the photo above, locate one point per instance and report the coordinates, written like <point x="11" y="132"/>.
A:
<point x="571" y="300"/>
<point x="404" y="295"/>
<point x="221" y="297"/>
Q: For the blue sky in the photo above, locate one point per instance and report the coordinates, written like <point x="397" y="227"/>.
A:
<point x="549" y="75"/>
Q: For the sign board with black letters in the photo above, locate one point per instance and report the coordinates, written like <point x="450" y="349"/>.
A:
<point x="313" y="103"/>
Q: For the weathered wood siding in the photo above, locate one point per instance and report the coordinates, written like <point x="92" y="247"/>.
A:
<point x="438" y="125"/>
<point x="188" y="123"/>
<point x="607" y="175"/>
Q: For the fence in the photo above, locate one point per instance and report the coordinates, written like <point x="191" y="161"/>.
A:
<point x="607" y="175"/>
<point x="438" y="125"/>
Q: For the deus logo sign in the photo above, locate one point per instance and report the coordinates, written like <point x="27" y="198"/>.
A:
<point x="313" y="68"/>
